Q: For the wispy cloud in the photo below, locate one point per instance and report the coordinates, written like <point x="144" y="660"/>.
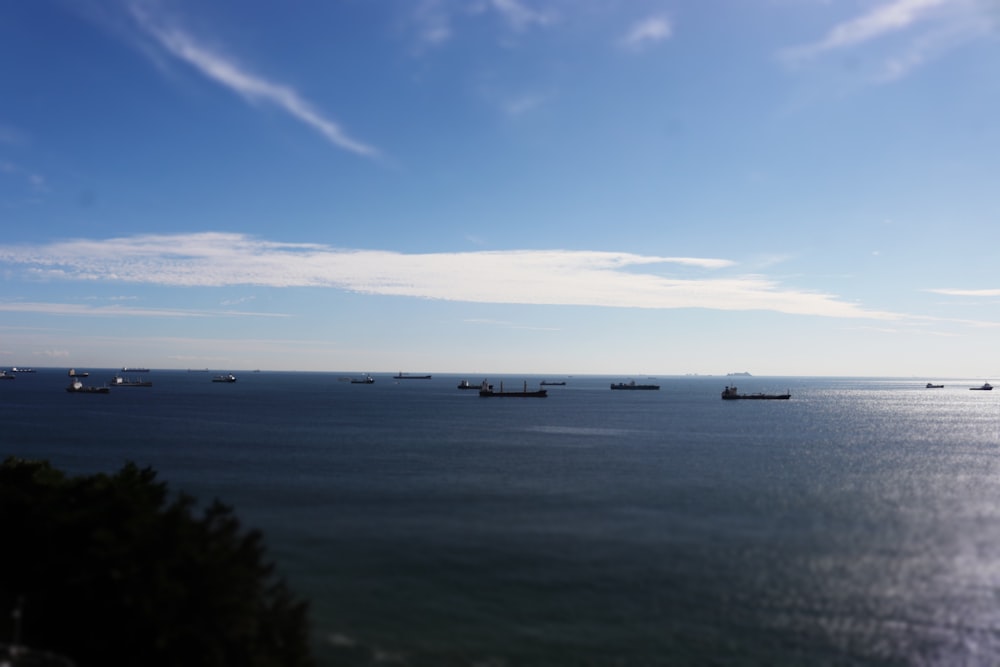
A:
<point x="518" y="106"/>
<point x="648" y="31"/>
<point x="549" y="277"/>
<point x="880" y="21"/>
<point x="36" y="181"/>
<point x="226" y="72"/>
<point x="89" y="310"/>
<point x="433" y="21"/>
<point x="236" y="302"/>
<point x="503" y="324"/>
<point x="966" y="292"/>
<point x="518" y="15"/>
<point x="925" y="29"/>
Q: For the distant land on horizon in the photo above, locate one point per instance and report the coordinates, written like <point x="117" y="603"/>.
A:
<point x="80" y="368"/>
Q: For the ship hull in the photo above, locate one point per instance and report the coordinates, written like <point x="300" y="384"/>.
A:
<point x="732" y="394"/>
<point x="758" y="397"/>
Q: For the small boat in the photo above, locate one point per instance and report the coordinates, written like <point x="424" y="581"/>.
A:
<point x="731" y="393"/>
<point x="229" y="377"/>
<point x="119" y="381"/>
<point x="77" y="387"/>
<point x="986" y="387"/>
<point x="931" y="385"/>
<point x="631" y="385"/>
<point x="546" y="383"/>
<point x="406" y="376"/>
<point x="368" y="379"/>
<point x="486" y="390"/>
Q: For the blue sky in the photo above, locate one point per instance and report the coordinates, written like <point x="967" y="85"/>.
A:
<point x="788" y="187"/>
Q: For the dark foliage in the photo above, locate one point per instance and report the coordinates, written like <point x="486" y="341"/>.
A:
<point x="112" y="571"/>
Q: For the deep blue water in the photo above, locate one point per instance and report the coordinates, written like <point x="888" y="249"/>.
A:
<point x="857" y="523"/>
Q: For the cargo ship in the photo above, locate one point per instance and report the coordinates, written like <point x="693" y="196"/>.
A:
<point x="486" y="390"/>
<point x="731" y="393"/>
<point x="633" y="386"/>
<point x="119" y="381"/>
<point x="77" y="387"/>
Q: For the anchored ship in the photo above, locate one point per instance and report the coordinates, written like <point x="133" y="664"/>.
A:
<point x="731" y="393"/>
<point x="486" y="390"/>
<point x="632" y="385"/>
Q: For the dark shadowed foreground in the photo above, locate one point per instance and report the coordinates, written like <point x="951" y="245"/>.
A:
<point x="112" y="570"/>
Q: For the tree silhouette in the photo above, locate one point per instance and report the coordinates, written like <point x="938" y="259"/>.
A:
<point x="109" y="570"/>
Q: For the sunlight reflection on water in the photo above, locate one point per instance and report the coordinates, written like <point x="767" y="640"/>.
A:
<point x="856" y="524"/>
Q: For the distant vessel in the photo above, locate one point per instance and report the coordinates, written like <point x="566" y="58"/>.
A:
<point x="127" y="369"/>
<point x="986" y="387"/>
<point x="406" y="376"/>
<point x="744" y="374"/>
<point x="15" y="369"/>
<point x="486" y="390"/>
<point x="931" y="385"/>
<point x="546" y="383"/>
<point x="730" y="393"/>
<point x="229" y="377"/>
<point x="73" y="374"/>
<point x="632" y="385"/>
<point x="368" y="379"/>
<point x="119" y="381"/>
<point x="77" y="387"/>
<point x="4" y="375"/>
<point x="465" y="384"/>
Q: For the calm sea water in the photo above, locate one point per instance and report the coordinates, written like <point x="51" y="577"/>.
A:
<point x="857" y="523"/>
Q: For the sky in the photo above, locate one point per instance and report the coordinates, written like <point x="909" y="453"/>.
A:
<point x="783" y="187"/>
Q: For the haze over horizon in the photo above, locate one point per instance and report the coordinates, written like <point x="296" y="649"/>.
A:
<point x="788" y="187"/>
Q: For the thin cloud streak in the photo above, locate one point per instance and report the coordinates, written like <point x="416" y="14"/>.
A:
<point x="524" y="104"/>
<point x="965" y="292"/>
<point x="880" y="21"/>
<point x="221" y="70"/>
<point x="539" y="277"/>
<point x="943" y="25"/>
<point x="434" y="19"/>
<point x="653" y="29"/>
<point x="518" y="16"/>
<point x="76" y="310"/>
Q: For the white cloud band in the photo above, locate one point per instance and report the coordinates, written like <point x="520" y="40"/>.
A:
<point x="550" y="277"/>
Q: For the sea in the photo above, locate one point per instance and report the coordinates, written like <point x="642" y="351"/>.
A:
<point x="857" y="523"/>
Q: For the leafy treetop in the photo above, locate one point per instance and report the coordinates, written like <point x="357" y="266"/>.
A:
<point x="108" y="570"/>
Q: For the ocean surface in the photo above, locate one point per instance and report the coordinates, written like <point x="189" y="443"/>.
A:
<point x="856" y="524"/>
